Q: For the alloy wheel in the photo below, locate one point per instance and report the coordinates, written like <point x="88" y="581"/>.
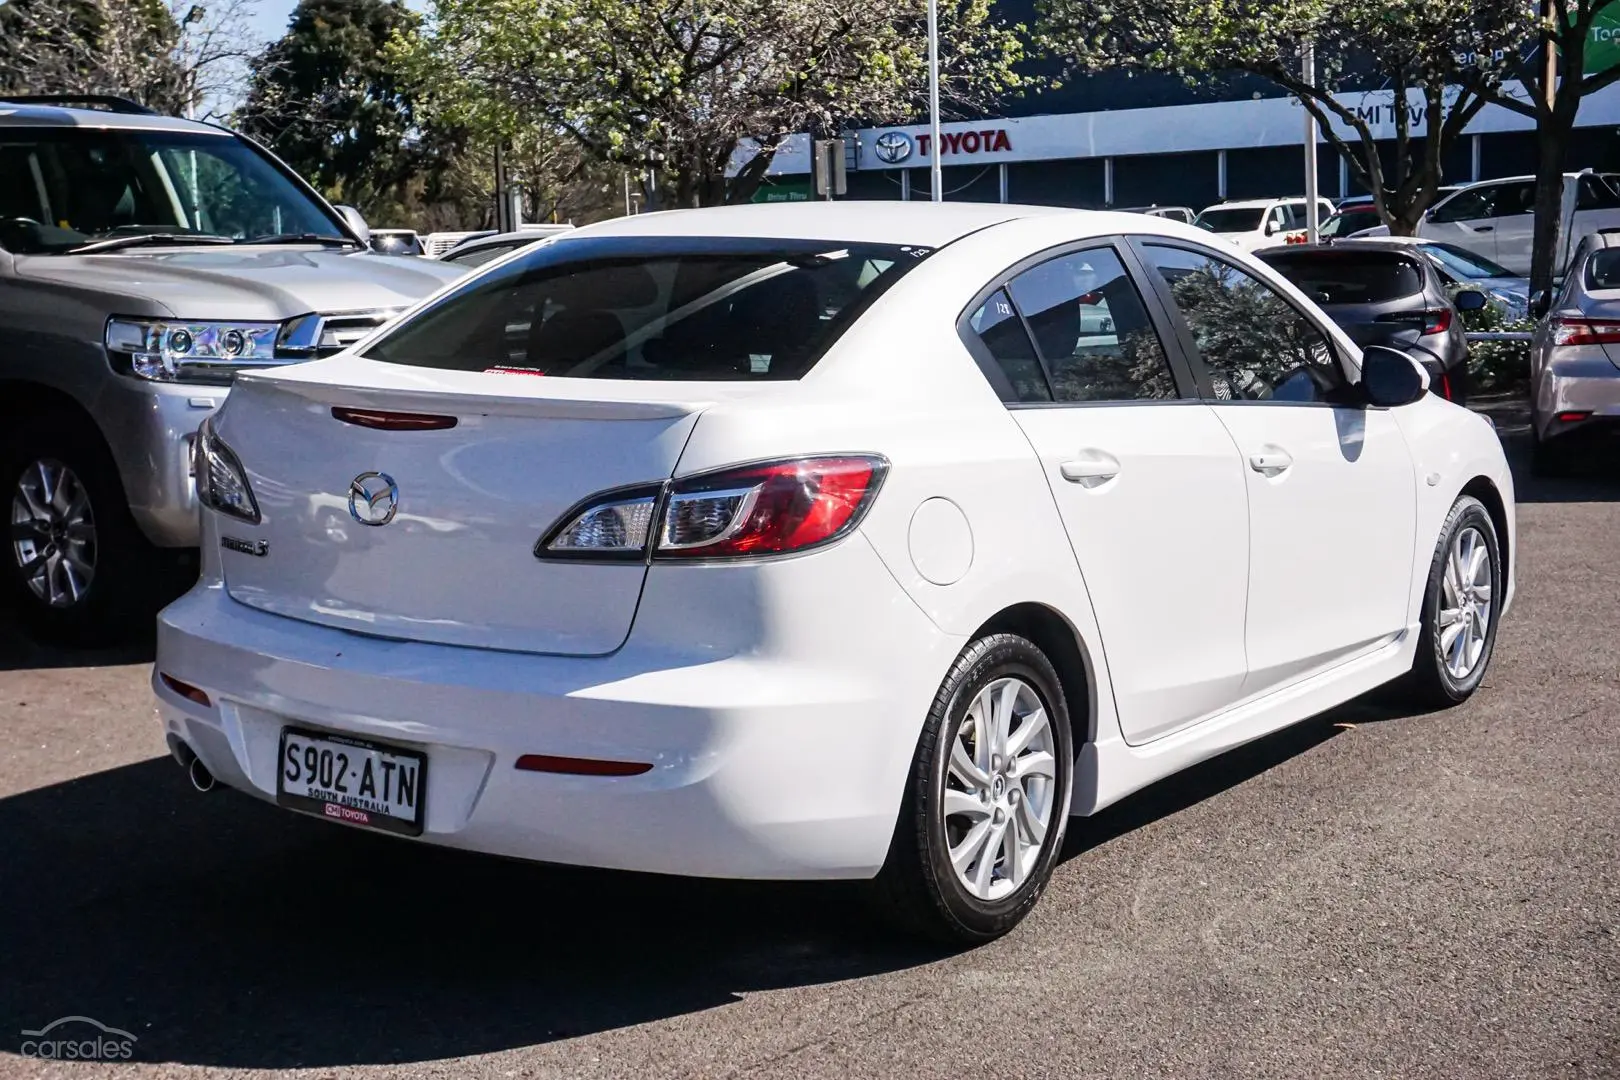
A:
<point x="1000" y="787"/>
<point x="1466" y="595"/>
<point x="53" y="533"/>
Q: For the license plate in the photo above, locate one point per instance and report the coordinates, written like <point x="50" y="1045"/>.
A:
<point x="350" y="780"/>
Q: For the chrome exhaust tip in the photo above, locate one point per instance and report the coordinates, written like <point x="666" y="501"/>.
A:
<point x="200" y="777"/>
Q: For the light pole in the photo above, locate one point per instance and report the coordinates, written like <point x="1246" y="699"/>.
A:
<point x="1313" y="224"/>
<point x="934" y="181"/>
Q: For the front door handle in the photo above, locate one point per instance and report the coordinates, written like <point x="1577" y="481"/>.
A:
<point x="1091" y="468"/>
<point x="1484" y="228"/>
<point x="1270" y="460"/>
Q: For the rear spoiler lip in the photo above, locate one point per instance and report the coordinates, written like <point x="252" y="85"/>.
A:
<point x="460" y="403"/>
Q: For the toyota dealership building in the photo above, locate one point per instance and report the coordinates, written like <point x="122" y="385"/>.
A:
<point x="1116" y="141"/>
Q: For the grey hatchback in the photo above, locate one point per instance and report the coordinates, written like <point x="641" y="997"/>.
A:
<point x="1387" y="294"/>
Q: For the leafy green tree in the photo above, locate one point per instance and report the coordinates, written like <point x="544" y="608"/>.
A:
<point x="686" y="83"/>
<point x="326" y="100"/>
<point x="1424" y="46"/>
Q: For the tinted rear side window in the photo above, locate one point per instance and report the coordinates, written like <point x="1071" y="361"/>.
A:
<point x="1344" y="278"/>
<point x="666" y="308"/>
<point x="1603" y="269"/>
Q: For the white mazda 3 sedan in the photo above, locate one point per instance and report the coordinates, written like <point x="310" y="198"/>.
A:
<point x="828" y="541"/>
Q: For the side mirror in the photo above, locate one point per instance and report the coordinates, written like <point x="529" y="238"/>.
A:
<point x="1390" y="377"/>
<point x="352" y="218"/>
<point x="1540" y="304"/>
<point x="1272" y="228"/>
<point x="1469" y="300"/>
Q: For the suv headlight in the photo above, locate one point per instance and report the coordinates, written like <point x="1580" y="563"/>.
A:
<point x="168" y="350"/>
<point x="221" y="483"/>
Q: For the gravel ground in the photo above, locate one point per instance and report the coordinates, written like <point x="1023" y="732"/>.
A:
<point x="1372" y="893"/>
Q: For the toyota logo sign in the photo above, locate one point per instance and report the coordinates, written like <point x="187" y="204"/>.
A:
<point x="892" y="147"/>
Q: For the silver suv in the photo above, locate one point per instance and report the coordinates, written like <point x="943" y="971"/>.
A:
<point x="144" y="260"/>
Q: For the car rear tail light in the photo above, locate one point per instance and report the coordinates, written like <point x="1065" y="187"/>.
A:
<point x="770" y="508"/>
<point x="613" y="525"/>
<point x="221" y="483"/>
<point x="1572" y="331"/>
<point x="1444" y="387"/>
<point x="1437" y="320"/>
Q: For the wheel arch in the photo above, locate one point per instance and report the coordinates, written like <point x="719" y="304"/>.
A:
<point x="1485" y="490"/>
<point x="1055" y="636"/>
<point x="21" y="400"/>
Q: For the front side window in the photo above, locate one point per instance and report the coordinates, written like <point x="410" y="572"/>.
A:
<point x="63" y="188"/>
<point x="1254" y="343"/>
<point x="1349" y="220"/>
<point x="1092" y="330"/>
<point x="1471" y="205"/>
<point x="662" y="308"/>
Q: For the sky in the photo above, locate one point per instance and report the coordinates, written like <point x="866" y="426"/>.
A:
<point x="270" y="18"/>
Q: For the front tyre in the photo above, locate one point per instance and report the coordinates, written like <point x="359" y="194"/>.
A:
<point x="77" y="569"/>
<point x="987" y="804"/>
<point x="1460" y="607"/>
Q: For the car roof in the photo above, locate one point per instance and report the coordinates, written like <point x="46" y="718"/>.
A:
<point x="1604" y="238"/>
<point x="925" y="224"/>
<point x="28" y="114"/>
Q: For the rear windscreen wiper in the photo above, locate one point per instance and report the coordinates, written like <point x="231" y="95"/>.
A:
<point x="302" y="238"/>
<point x="114" y="243"/>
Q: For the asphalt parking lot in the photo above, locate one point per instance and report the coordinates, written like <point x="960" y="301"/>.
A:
<point x="1371" y="893"/>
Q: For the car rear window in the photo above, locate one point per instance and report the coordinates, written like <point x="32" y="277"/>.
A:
<point x="1603" y="269"/>
<point x="1231" y="219"/>
<point x="1342" y="277"/>
<point x="666" y="308"/>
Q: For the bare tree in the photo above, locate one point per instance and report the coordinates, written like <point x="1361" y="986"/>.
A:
<point x="179" y="56"/>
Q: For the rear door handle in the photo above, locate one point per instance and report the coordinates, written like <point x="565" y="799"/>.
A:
<point x="1484" y="228"/>
<point x="1091" y="468"/>
<point x="1270" y="460"/>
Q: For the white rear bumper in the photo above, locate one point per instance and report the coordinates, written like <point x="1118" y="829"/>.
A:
<point x="786" y="759"/>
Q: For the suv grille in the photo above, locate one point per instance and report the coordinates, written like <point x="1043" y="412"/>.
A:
<point x="313" y="336"/>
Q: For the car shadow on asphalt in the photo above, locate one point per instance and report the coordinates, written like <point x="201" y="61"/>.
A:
<point x="223" y="931"/>
<point x="20" y="652"/>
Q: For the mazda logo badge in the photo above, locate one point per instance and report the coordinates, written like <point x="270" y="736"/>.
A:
<point x="373" y="498"/>
<point x="892" y="147"/>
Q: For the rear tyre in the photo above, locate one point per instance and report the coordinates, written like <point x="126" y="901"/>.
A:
<point x="1460" y="607"/>
<point x="987" y="802"/>
<point x="73" y="565"/>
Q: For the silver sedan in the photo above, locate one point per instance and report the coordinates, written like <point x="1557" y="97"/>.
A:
<point x="1575" y="358"/>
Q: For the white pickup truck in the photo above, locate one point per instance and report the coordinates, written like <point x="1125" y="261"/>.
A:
<point x="1496" y="218"/>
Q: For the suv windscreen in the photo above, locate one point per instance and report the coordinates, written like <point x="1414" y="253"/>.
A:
<point x="64" y="187"/>
<point x="669" y="308"/>
<point x="1342" y="277"/>
<point x="1231" y="219"/>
